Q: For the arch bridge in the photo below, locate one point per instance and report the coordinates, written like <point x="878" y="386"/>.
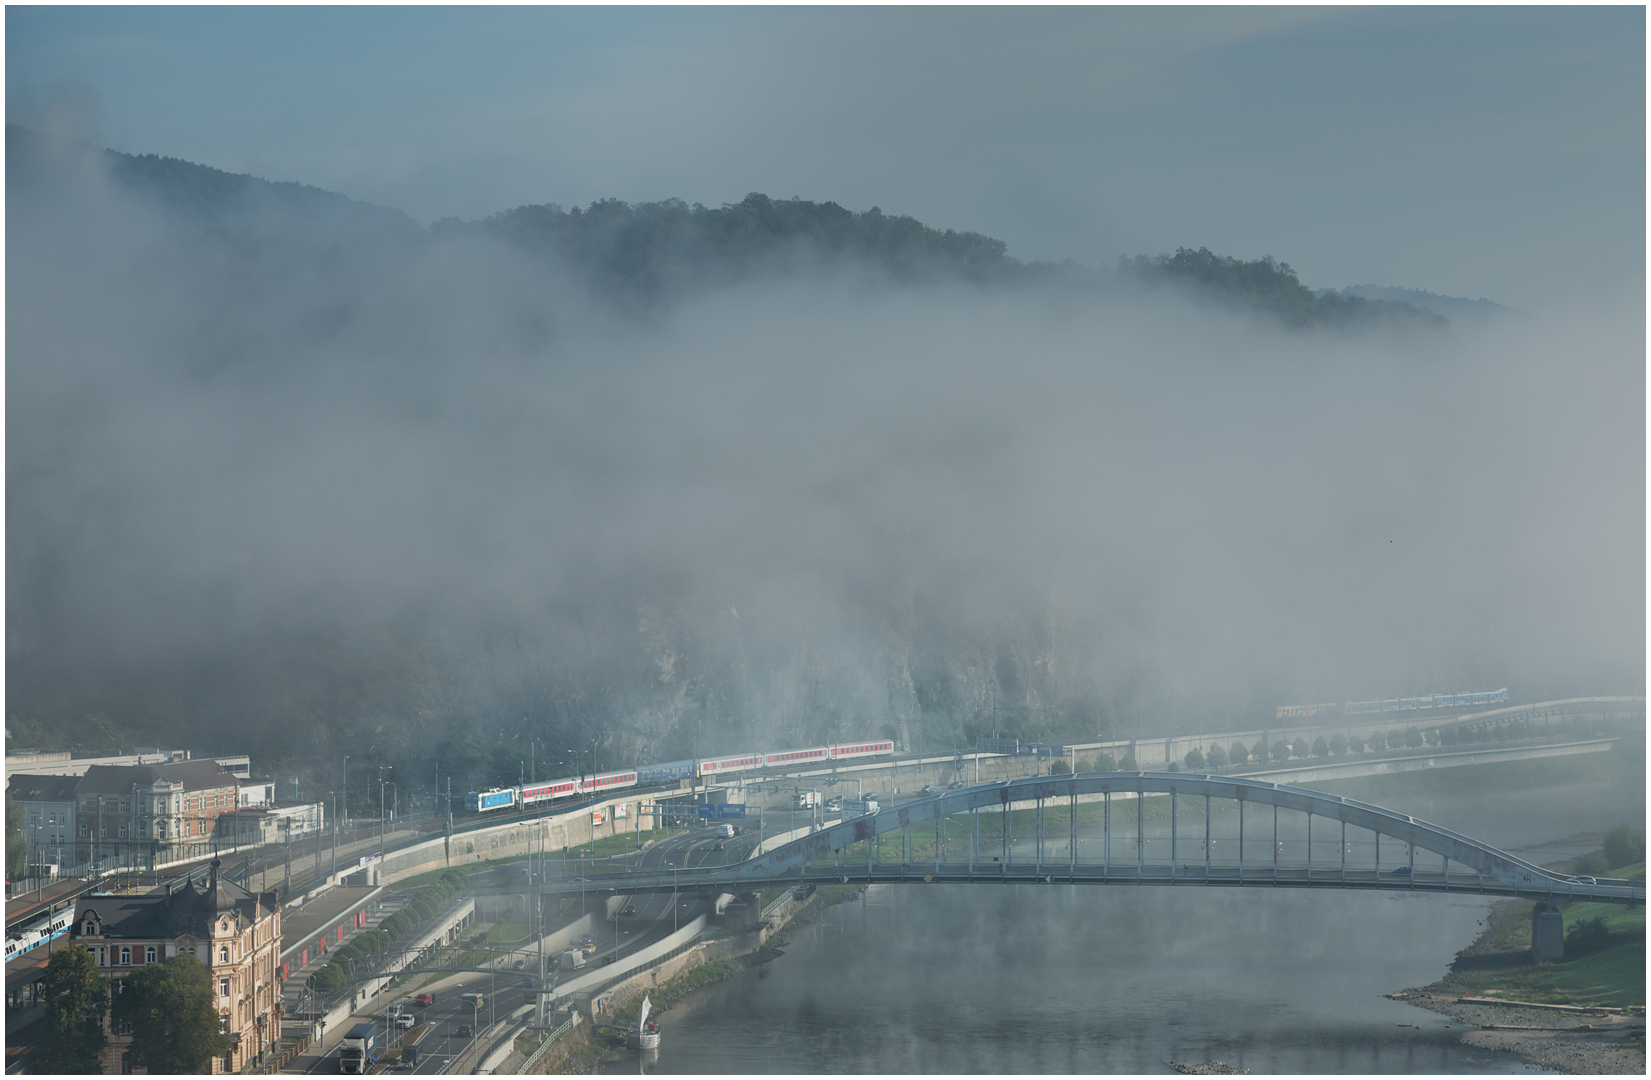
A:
<point x="1100" y="829"/>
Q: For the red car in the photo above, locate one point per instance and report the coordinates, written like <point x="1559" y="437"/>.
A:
<point x="425" y="999"/>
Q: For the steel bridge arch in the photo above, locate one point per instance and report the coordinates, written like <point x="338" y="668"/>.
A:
<point x="1514" y="875"/>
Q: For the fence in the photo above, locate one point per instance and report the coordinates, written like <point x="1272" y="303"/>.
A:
<point x="550" y="1040"/>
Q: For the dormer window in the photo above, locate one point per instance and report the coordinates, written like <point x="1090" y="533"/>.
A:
<point x="224" y="925"/>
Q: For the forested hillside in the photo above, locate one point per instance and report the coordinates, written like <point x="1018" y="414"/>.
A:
<point x="291" y="475"/>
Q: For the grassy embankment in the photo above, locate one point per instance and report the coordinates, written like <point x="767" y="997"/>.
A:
<point x="1613" y="973"/>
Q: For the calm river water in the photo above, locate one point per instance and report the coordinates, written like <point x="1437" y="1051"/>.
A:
<point x="972" y="979"/>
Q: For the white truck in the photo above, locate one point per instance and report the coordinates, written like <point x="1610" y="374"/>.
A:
<point x="573" y="960"/>
<point x="356" y="1051"/>
<point x="804" y="800"/>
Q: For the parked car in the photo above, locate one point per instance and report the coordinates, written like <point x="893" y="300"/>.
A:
<point x="425" y="999"/>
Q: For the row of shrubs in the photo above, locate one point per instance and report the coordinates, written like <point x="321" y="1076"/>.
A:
<point x="1624" y="847"/>
<point x="423" y="906"/>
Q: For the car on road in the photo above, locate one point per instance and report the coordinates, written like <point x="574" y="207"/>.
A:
<point x="955" y="784"/>
<point x="930" y="789"/>
<point x="462" y="1032"/>
<point x="717" y="846"/>
<point x="629" y="912"/>
<point x="425" y="999"/>
<point x="588" y="948"/>
<point x="531" y="982"/>
<point x="1403" y="871"/>
<point x="405" y="1020"/>
<point x="1583" y="880"/>
<point x="519" y="965"/>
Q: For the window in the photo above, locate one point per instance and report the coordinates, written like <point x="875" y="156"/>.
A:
<point x="85" y="830"/>
<point x="126" y="1064"/>
<point x="126" y="1027"/>
<point x="229" y="1063"/>
<point x="102" y="954"/>
<point x="123" y="830"/>
<point x="149" y="955"/>
<point x="223" y="987"/>
<point x="223" y="954"/>
<point x="223" y="1026"/>
<point x="125" y="956"/>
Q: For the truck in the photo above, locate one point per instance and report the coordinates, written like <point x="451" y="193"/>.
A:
<point x="356" y="1050"/>
<point x="803" y="800"/>
<point x="573" y="960"/>
<point x="856" y="807"/>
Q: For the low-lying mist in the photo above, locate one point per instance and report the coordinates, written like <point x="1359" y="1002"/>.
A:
<point x="282" y="489"/>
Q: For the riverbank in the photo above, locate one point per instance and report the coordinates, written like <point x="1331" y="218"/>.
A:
<point x="1584" y="1015"/>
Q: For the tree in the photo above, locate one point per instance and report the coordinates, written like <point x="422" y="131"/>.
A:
<point x="1128" y="764"/>
<point x="1395" y="739"/>
<point x="1320" y="747"/>
<point x="1299" y="747"/>
<point x="1195" y="758"/>
<point x="76" y="996"/>
<point x="172" y="1010"/>
<point x="1217" y="757"/>
<point x="1412" y="737"/>
<point x="1432" y="736"/>
<point x="1624" y="846"/>
<point x="1355" y="745"/>
<point x="1338" y="744"/>
<point x="1237" y="754"/>
<point x="1281" y="751"/>
<point x="1106" y="763"/>
<point x="1059" y="767"/>
<point x="1594" y="864"/>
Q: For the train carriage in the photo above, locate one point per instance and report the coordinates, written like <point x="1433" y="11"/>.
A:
<point x="613" y="781"/>
<point x="781" y="759"/>
<point x="534" y="794"/>
<point x="665" y="773"/>
<point x="740" y="763"/>
<point x="871" y="748"/>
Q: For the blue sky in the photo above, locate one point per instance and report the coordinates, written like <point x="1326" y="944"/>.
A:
<point x="1492" y="152"/>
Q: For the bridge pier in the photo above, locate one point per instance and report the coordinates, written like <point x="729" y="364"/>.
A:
<point x="1547" y="934"/>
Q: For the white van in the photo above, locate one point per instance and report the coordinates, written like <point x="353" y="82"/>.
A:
<point x="725" y="831"/>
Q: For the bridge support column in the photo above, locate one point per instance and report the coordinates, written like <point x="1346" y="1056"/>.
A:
<point x="1547" y="934"/>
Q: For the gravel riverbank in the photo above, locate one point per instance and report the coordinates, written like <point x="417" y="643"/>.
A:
<point x="1590" y="1041"/>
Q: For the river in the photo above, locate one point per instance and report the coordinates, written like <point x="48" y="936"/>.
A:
<point x="972" y="979"/>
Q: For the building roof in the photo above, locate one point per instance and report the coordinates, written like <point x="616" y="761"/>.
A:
<point x="191" y="909"/>
<point x="119" y="779"/>
<point x="32" y="788"/>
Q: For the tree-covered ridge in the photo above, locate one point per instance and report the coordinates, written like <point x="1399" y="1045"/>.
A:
<point x="1271" y="286"/>
<point x="650" y="247"/>
<point x="200" y="195"/>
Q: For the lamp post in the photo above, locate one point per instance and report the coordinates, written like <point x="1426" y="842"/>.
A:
<point x="334" y="796"/>
<point x="344" y="788"/>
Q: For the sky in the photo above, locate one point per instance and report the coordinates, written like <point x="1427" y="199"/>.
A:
<point x="1495" y="152"/>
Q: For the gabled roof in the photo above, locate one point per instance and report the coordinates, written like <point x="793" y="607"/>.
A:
<point x="192" y="909"/>
<point x="28" y="788"/>
<point x="193" y="775"/>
